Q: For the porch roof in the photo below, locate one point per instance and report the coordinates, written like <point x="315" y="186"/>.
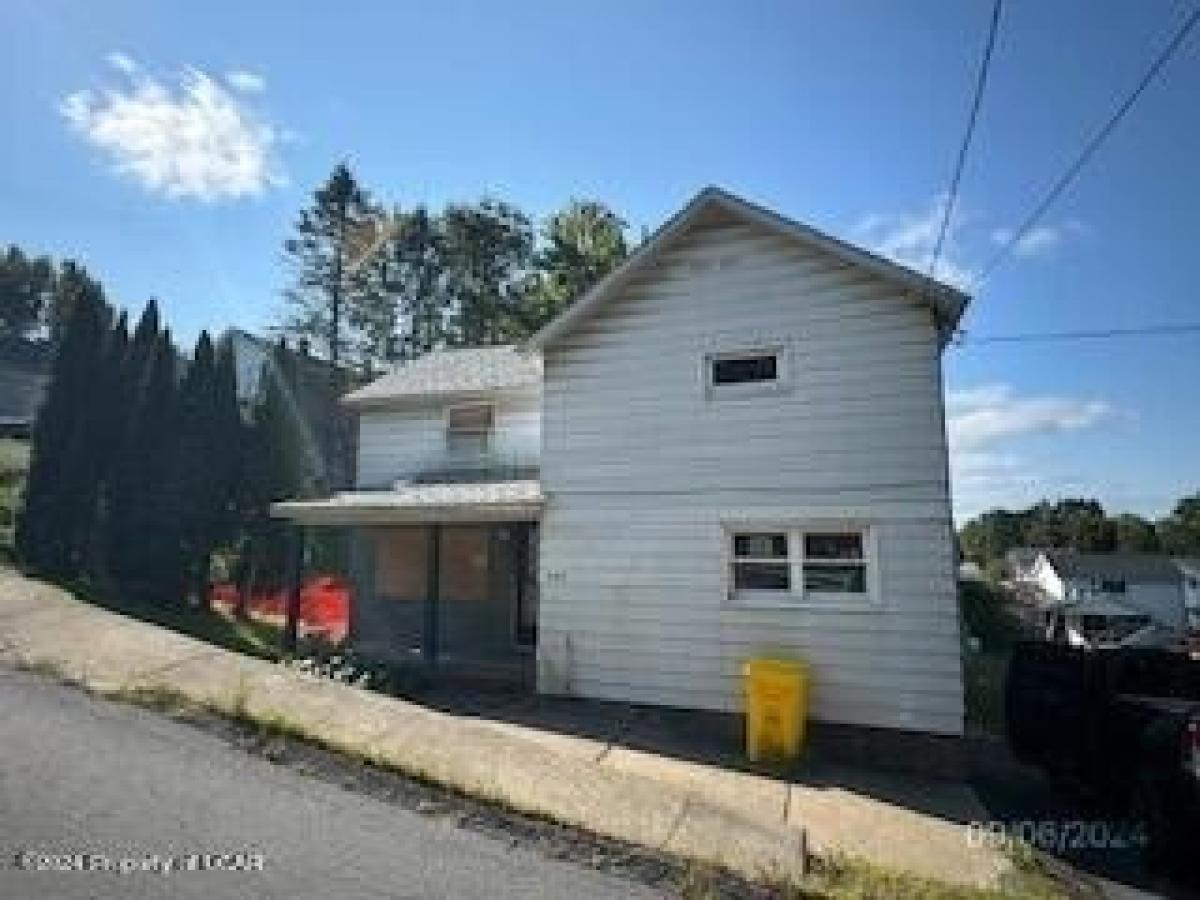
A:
<point x="496" y="501"/>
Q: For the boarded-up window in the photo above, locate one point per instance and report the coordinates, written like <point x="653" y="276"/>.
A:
<point x="402" y="560"/>
<point x="400" y="567"/>
<point x="464" y="564"/>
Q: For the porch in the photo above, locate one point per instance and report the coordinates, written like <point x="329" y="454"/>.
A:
<point x="444" y="575"/>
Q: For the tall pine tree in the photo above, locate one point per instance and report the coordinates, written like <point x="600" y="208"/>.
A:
<point x="143" y="531"/>
<point x="201" y="480"/>
<point x="328" y="289"/>
<point x="63" y="484"/>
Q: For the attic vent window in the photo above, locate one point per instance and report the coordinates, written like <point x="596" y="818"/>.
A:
<point x="746" y="373"/>
<point x="748" y="369"/>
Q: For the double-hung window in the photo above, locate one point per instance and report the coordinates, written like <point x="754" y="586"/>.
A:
<point x="819" y="565"/>
<point x="469" y="429"/>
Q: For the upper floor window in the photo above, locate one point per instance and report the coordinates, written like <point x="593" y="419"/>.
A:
<point x="744" y="372"/>
<point x="1113" y="585"/>
<point x="469" y="428"/>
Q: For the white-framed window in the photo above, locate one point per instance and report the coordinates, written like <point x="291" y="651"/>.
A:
<point x="818" y="565"/>
<point x="747" y="371"/>
<point x="469" y="429"/>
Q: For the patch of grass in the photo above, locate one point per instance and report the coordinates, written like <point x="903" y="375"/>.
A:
<point x="156" y="697"/>
<point x="14" y="455"/>
<point x="46" y="668"/>
<point x="1032" y="876"/>
<point x="250" y="638"/>
<point x="14" y="463"/>
<point x="846" y="878"/>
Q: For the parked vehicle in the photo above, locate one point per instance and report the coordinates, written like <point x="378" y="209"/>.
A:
<point x="1122" y="725"/>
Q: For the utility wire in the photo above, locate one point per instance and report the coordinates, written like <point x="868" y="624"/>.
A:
<point x="965" y="340"/>
<point x="960" y="163"/>
<point x="1090" y="148"/>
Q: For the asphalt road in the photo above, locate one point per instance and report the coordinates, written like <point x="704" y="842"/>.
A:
<point x="80" y="775"/>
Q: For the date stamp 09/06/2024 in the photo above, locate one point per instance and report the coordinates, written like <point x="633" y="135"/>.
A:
<point x="154" y="863"/>
<point x="1057" y="835"/>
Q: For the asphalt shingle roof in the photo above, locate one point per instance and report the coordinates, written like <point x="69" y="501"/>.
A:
<point x="1132" y="567"/>
<point x="425" y="502"/>
<point x="463" y="371"/>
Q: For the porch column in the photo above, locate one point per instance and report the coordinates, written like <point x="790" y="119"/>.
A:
<point x="293" y="581"/>
<point x="362" y="575"/>
<point x="433" y="573"/>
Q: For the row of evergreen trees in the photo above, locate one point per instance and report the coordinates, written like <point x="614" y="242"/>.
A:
<point x="142" y="464"/>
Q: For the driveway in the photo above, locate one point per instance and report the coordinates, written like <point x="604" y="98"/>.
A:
<point x="85" y="775"/>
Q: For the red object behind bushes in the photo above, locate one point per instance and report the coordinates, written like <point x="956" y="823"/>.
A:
<point x="324" y="605"/>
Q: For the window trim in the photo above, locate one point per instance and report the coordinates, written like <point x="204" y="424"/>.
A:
<point x="783" y="370"/>
<point x="796" y="597"/>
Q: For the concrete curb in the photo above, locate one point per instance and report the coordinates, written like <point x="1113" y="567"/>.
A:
<point x="43" y="626"/>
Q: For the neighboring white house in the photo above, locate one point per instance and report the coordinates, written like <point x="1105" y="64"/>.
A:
<point x="1190" y="571"/>
<point x="740" y="451"/>
<point x="1020" y="564"/>
<point x="1111" y="585"/>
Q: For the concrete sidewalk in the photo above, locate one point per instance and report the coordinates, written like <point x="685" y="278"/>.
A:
<point x="756" y="826"/>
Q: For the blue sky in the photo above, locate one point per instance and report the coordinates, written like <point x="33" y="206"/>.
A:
<point x="169" y="146"/>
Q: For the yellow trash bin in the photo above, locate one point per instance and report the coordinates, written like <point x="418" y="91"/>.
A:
<point x="776" y="707"/>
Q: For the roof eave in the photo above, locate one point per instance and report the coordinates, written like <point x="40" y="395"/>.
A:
<point x="318" y="513"/>
<point x="417" y="398"/>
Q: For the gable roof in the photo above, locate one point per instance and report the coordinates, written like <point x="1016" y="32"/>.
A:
<point x="442" y="372"/>
<point x="946" y="302"/>
<point x="1140" y="568"/>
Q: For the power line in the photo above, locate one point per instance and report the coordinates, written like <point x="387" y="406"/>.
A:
<point x="960" y="163"/>
<point x="1091" y="147"/>
<point x="1086" y="335"/>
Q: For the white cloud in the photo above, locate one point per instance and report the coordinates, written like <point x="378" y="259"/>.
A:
<point x="193" y="139"/>
<point x="910" y="238"/>
<point x="980" y="416"/>
<point x="1036" y="241"/>
<point x="245" y="81"/>
<point x="1040" y="239"/>
<point x="982" y="419"/>
<point x="121" y="62"/>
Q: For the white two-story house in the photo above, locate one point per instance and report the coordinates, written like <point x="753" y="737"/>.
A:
<point x="733" y="446"/>
<point x="1109" y="594"/>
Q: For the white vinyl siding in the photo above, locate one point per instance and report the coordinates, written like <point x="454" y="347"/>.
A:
<point x="398" y="442"/>
<point x="646" y="476"/>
